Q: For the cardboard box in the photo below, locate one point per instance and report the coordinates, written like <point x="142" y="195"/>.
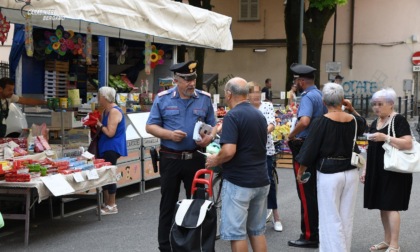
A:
<point x="69" y="120"/>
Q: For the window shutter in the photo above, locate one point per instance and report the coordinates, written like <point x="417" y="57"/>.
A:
<point x="249" y="10"/>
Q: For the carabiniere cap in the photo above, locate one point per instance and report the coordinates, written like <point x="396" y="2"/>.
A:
<point x="305" y="71"/>
<point x="185" y="70"/>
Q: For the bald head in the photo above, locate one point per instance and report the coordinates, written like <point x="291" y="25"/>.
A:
<point x="237" y="86"/>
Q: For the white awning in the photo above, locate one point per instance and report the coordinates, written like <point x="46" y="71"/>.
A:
<point x="168" y="22"/>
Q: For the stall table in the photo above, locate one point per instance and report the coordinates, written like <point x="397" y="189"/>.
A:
<point x="107" y="175"/>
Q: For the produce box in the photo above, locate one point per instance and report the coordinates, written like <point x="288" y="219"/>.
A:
<point x="69" y="120"/>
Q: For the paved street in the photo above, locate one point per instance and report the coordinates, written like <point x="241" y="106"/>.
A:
<point x="135" y="227"/>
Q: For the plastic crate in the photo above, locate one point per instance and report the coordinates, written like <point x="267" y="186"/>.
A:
<point x="54" y="93"/>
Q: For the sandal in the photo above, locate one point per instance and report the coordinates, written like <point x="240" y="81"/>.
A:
<point x="380" y="246"/>
<point x="392" y="249"/>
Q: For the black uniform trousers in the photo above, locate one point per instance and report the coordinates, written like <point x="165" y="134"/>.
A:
<point x="172" y="172"/>
<point x="307" y="193"/>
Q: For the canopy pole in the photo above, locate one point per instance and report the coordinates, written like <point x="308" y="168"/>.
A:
<point x="103" y="61"/>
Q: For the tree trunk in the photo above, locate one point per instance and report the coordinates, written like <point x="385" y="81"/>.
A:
<point x="315" y="22"/>
<point x="291" y="22"/>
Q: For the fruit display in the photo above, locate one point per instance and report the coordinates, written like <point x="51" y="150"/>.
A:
<point x="221" y="112"/>
<point x="281" y="132"/>
<point x="120" y="83"/>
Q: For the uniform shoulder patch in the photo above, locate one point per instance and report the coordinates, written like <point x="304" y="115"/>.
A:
<point x="163" y="93"/>
<point x="204" y="93"/>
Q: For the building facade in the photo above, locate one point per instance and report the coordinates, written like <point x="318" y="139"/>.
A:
<point x="375" y="41"/>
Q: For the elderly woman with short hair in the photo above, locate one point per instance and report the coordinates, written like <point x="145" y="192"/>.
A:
<point x="112" y="141"/>
<point x="385" y="190"/>
<point x="329" y="145"/>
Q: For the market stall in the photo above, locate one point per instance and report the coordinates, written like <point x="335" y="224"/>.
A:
<point x="54" y="187"/>
<point x="64" y="46"/>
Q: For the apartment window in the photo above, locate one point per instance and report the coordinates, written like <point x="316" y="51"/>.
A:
<point x="249" y="10"/>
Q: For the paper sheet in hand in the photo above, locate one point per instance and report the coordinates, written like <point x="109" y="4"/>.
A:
<point x="57" y="185"/>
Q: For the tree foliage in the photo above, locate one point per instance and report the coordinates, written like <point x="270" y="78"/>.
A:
<point x="316" y="18"/>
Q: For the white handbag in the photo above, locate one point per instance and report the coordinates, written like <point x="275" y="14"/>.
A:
<point x="356" y="159"/>
<point x="402" y="161"/>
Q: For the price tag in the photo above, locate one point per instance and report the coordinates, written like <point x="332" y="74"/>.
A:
<point x="216" y="98"/>
<point x="92" y="174"/>
<point x="282" y="95"/>
<point x="263" y="96"/>
<point x="78" y="177"/>
<point x="215" y="106"/>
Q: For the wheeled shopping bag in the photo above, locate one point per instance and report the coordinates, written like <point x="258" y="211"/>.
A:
<point x="195" y="221"/>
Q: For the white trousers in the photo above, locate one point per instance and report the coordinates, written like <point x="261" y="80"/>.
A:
<point x="337" y="194"/>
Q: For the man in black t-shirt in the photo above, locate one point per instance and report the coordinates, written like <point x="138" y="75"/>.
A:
<point x="245" y="178"/>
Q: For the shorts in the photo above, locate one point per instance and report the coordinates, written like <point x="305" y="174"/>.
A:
<point x="244" y="211"/>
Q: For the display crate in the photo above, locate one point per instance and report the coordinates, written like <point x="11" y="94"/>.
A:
<point x="284" y="160"/>
<point x="53" y="93"/>
<point x="55" y="65"/>
<point x="92" y="69"/>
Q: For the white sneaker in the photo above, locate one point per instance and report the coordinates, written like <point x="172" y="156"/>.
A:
<point x="109" y="210"/>
<point x="277" y="226"/>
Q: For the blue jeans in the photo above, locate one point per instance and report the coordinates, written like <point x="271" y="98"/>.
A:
<point x="243" y="211"/>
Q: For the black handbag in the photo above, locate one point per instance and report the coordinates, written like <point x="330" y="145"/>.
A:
<point x="93" y="146"/>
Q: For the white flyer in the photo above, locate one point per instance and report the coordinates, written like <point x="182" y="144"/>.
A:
<point x="57" y="185"/>
<point x="78" y="177"/>
<point x="92" y="174"/>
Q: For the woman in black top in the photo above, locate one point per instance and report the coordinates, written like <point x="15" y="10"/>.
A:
<point x="385" y="190"/>
<point x="330" y="144"/>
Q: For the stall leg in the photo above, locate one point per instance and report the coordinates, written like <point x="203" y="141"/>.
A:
<point x="51" y="207"/>
<point x="27" y="216"/>
<point x="99" y="201"/>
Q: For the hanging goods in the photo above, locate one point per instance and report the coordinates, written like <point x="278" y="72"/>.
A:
<point x="402" y="161"/>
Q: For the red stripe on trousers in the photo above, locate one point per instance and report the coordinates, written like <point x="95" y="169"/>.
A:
<point x="304" y="204"/>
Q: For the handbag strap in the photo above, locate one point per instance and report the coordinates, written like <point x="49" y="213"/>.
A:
<point x="391" y="127"/>
<point x="355" y="132"/>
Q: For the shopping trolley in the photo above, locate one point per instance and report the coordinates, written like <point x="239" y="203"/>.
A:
<point x="195" y="220"/>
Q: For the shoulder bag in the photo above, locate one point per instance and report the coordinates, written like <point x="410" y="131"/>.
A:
<point x="93" y="146"/>
<point x="356" y="159"/>
<point x="402" y="161"/>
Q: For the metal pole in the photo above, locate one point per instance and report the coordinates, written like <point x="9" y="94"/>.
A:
<point x="412" y="106"/>
<point x="399" y="105"/>
<point x="367" y="106"/>
<point x="103" y="61"/>
<point x="335" y="32"/>
<point x="302" y="11"/>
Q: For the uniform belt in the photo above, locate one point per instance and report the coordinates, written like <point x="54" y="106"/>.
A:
<point x="175" y="154"/>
